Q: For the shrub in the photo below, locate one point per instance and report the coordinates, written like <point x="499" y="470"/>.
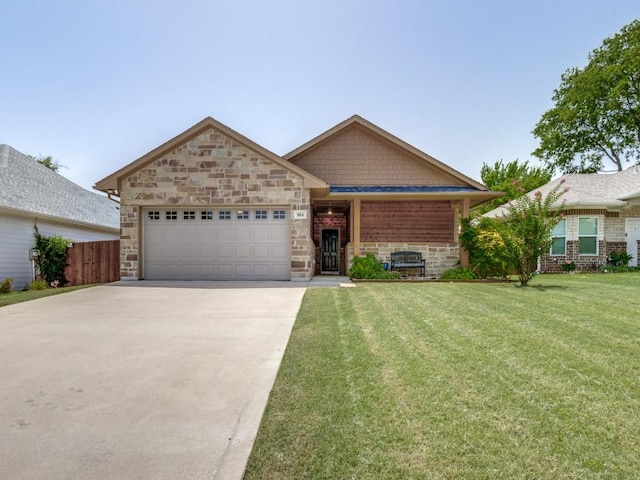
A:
<point x="369" y="267"/>
<point x="6" y="285"/>
<point x="53" y="257"/>
<point x="488" y="255"/>
<point x="38" y="285"/>
<point x="568" y="266"/>
<point x="458" y="274"/>
<point x="620" y="259"/>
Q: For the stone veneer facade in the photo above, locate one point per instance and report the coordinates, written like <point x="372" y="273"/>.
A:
<point x="213" y="170"/>
<point x="438" y="256"/>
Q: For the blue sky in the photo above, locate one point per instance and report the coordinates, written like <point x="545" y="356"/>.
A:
<point x="97" y="84"/>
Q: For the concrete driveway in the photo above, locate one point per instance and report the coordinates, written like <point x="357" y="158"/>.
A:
<point x="140" y="380"/>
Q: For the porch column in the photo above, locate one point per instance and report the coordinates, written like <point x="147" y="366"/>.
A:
<point x="355" y="226"/>
<point x="464" y="253"/>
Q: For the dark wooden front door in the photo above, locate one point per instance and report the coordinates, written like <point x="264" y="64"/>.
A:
<point x="330" y="251"/>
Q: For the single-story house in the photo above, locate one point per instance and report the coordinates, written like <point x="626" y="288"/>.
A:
<point x="32" y="194"/>
<point x="601" y="216"/>
<point x="212" y="204"/>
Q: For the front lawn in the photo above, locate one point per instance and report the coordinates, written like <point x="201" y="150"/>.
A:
<point x="459" y="380"/>
<point x="26" y="295"/>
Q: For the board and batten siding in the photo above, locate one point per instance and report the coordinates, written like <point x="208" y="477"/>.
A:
<point x="16" y="238"/>
<point x="419" y="221"/>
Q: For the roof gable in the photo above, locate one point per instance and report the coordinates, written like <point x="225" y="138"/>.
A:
<point x="26" y="187"/>
<point x="357" y="152"/>
<point x="111" y="182"/>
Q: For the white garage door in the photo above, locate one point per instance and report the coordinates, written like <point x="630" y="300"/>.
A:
<point x="217" y="244"/>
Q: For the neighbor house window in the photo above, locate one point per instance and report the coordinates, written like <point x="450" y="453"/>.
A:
<point x="588" y="236"/>
<point x="559" y="238"/>
<point x="189" y="215"/>
<point x="206" y="215"/>
<point x="279" y="215"/>
<point x="225" y="215"/>
<point x="261" y="214"/>
<point x="170" y="215"/>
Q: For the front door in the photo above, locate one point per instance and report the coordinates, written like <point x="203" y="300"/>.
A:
<point x="330" y="251"/>
<point x="632" y="229"/>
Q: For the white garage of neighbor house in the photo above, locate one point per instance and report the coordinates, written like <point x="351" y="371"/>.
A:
<point x="32" y="194"/>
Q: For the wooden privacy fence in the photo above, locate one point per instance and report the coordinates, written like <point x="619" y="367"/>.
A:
<point x="93" y="262"/>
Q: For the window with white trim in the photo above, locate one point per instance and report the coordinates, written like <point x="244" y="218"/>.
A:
<point x="279" y="215"/>
<point x="224" y="215"/>
<point x="588" y="236"/>
<point x="153" y="215"/>
<point x="170" y="215"/>
<point x="559" y="238"/>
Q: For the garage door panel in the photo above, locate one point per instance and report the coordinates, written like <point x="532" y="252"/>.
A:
<point x="210" y="247"/>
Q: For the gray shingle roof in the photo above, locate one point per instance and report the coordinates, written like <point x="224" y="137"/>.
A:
<point x="27" y="186"/>
<point x="592" y="190"/>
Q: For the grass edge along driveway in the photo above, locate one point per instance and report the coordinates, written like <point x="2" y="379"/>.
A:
<point x="474" y="381"/>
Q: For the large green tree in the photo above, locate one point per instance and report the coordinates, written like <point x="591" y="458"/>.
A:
<point x="513" y="178"/>
<point x="49" y="162"/>
<point x="595" y="122"/>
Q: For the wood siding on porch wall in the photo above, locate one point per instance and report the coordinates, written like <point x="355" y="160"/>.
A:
<point x="407" y="221"/>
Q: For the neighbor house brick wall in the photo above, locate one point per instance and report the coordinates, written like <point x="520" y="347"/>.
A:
<point x="438" y="256"/>
<point x="358" y="157"/>
<point x="611" y="238"/>
<point x="214" y="170"/>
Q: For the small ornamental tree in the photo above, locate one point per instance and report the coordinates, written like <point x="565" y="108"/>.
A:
<point x="530" y="220"/>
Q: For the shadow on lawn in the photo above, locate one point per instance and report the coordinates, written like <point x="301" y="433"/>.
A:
<point x="544" y="288"/>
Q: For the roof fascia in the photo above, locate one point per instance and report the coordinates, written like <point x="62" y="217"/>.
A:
<point x="475" y="198"/>
<point x="66" y="221"/>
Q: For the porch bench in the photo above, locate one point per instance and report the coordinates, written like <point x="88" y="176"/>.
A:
<point x="405" y="260"/>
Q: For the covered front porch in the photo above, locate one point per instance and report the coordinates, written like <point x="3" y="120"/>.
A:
<point x="356" y="223"/>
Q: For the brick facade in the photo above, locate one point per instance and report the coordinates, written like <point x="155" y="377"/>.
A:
<point x="214" y="170"/>
<point x="611" y="238"/>
<point x="338" y="222"/>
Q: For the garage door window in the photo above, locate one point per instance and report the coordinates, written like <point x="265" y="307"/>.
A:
<point x="261" y="215"/>
<point x="206" y="215"/>
<point x="225" y="215"/>
<point x="243" y="214"/>
<point x="153" y="215"/>
<point x="171" y="215"/>
<point x="190" y="215"/>
<point x="279" y="215"/>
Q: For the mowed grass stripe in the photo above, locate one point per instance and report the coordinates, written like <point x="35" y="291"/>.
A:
<point x="459" y="381"/>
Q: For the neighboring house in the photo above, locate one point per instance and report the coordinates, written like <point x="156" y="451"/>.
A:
<point x="32" y="194"/>
<point x="212" y="204"/>
<point x="601" y="216"/>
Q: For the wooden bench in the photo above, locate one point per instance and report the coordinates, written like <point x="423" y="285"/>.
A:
<point x="406" y="260"/>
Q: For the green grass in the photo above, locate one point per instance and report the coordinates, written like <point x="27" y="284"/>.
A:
<point x="26" y="295"/>
<point x="459" y="380"/>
